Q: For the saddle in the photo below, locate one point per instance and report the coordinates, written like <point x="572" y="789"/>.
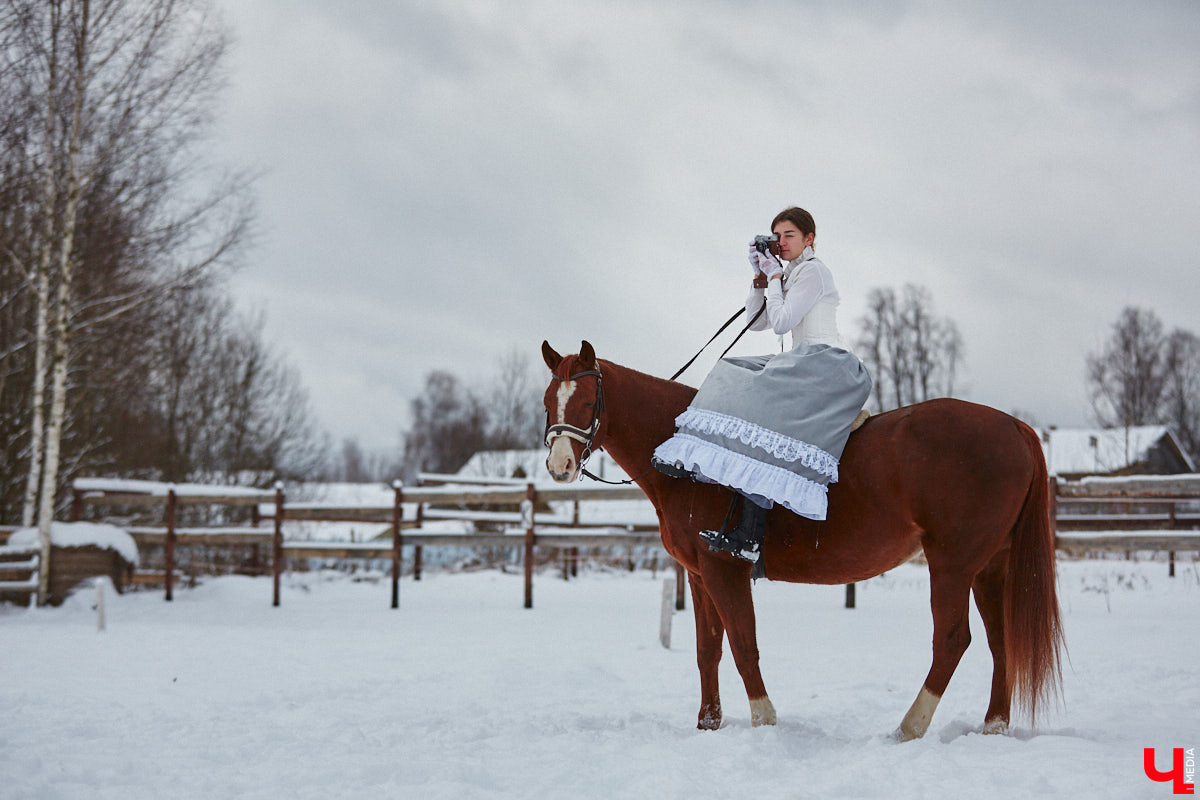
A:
<point x="859" y="420"/>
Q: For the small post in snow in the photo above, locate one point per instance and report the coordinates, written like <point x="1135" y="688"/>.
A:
<point x="277" y="541"/>
<point x="668" y="609"/>
<point x="100" y="606"/>
<point x="397" y="540"/>
<point x="527" y="518"/>
<point x="169" y="546"/>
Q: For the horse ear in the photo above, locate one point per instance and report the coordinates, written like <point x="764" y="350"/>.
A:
<point x="553" y="359"/>
<point x="587" y="356"/>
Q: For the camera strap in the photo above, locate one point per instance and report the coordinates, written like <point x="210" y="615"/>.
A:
<point x="721" y="330"/>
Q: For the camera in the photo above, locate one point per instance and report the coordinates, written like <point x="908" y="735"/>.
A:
<point x="765" y="244"/>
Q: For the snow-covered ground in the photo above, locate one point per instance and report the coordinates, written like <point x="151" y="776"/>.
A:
<point x="463" y="693"/>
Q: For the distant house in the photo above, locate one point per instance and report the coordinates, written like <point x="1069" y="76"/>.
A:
<point x="1137" y="450"/>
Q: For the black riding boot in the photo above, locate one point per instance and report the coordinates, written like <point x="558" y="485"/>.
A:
<point x="744" y="541"/>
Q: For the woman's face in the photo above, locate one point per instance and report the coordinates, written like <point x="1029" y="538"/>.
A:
<point x="791" y="241"/>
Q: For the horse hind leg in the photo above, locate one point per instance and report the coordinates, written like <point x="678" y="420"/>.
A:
<point x="989" y="599"/>
<point x="949" y="597"/>
<point x="709" y="633"/>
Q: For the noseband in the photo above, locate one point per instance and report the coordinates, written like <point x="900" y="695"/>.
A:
<point x="585" y="436"/>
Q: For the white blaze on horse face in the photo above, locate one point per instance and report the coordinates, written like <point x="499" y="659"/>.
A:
<point x="561" y="454"/>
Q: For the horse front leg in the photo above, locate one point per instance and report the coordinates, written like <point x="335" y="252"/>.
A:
<point x="728" y="585"/>
<point x="709" y="633"/>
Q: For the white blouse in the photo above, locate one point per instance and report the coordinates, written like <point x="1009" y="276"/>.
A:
<point x="804" y="302"/>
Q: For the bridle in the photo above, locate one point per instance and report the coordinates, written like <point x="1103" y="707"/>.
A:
<point x="585" y="436"/>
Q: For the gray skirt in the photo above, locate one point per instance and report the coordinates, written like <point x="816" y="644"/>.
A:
<point x="772" y="427"/>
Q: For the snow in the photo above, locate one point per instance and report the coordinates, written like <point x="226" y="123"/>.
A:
<point x="462" y="693"/>
<point x="80" y="534"/>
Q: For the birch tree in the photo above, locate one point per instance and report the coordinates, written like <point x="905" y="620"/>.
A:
<point x="1126" y="378"/>
<point x="123" y="88"/>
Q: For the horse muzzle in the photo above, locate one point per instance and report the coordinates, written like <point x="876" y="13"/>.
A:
<point x="561" y="463"/>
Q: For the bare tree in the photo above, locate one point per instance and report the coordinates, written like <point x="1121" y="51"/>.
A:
<point x="449" y="425"/>
<point x="515" y="411"/>
<point x="1127" y="377"/>
<point x="912" y="354"/>
<point x="1181" y="390"/>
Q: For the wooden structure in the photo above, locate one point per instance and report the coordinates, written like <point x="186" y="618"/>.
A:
<point x="1128" y="505"/>
<point x="69" y="566"/>
<point x="565" y="535"/>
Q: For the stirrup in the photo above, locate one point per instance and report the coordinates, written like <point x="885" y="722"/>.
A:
<point x="719" y="542"/>
<point x="743" y="540"/>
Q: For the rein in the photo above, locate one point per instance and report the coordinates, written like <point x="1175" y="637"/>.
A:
<point x="586" y="436"/>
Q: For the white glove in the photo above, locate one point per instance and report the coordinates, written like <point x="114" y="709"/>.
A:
<point x="770" y="265"/>
<point x="756" y="260"/>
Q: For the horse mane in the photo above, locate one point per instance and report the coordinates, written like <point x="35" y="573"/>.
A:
<point x="669" y="387"/>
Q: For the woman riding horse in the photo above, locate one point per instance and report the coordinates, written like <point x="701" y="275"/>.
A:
<point x="773" y="427"/>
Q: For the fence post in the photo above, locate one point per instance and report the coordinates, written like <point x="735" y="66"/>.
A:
<point x="680" y="582"/>
<point x="849" y="595"/>
<point x="277" y="542"/>
<point x="76" y="505"/>
<point x="169" y="545"/>
<point x="530" y="500"/>
<point x="397" y="540"/>
<point x="417" y="552"/>
<point x="664" y="619"/>
<point x="1170" y="563"/>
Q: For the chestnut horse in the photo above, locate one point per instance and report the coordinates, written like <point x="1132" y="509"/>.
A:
<point x="963" y="482"/>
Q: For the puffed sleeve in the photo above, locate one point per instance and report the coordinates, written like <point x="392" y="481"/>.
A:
<point x="786" y="309"/>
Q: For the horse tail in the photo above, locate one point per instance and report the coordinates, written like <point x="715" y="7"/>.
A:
<point x="1033" y="637"/>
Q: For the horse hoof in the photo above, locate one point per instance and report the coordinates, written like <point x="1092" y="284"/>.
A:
<point x="903" y="734"/>
<point x="995" y="726"/>
<point x="762" y="712"/>
<point x="708" y="724"/>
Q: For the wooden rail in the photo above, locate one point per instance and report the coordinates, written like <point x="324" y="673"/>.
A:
<point x="519" y="505"/>
<point x="537" y="529"/>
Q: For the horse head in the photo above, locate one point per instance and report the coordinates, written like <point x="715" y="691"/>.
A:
<point x="574" y="411"/>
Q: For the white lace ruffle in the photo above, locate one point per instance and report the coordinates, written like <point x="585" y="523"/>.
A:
<point x="757" y="480"/>
<point x="783" y="447"/>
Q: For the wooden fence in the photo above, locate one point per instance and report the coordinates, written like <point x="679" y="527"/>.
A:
<point x="567" y="534"/>
<point x="1129" y="505"/>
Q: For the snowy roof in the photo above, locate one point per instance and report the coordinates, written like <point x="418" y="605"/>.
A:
<point x="81" y="534"/>
<point x="1099" y="450"/>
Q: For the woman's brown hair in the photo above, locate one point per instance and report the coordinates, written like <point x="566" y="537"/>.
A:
<point x="798" y="217"/>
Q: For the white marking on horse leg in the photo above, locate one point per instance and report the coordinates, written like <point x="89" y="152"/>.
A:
<point x="762" y="712"/>
<point x="995" y="726"/>
<point x="917" y="720"/>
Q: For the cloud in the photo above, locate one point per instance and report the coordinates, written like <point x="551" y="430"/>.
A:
<point x="445" y="181"/>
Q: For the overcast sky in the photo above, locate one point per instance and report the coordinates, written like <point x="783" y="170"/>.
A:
<point x="446" y="181"/>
